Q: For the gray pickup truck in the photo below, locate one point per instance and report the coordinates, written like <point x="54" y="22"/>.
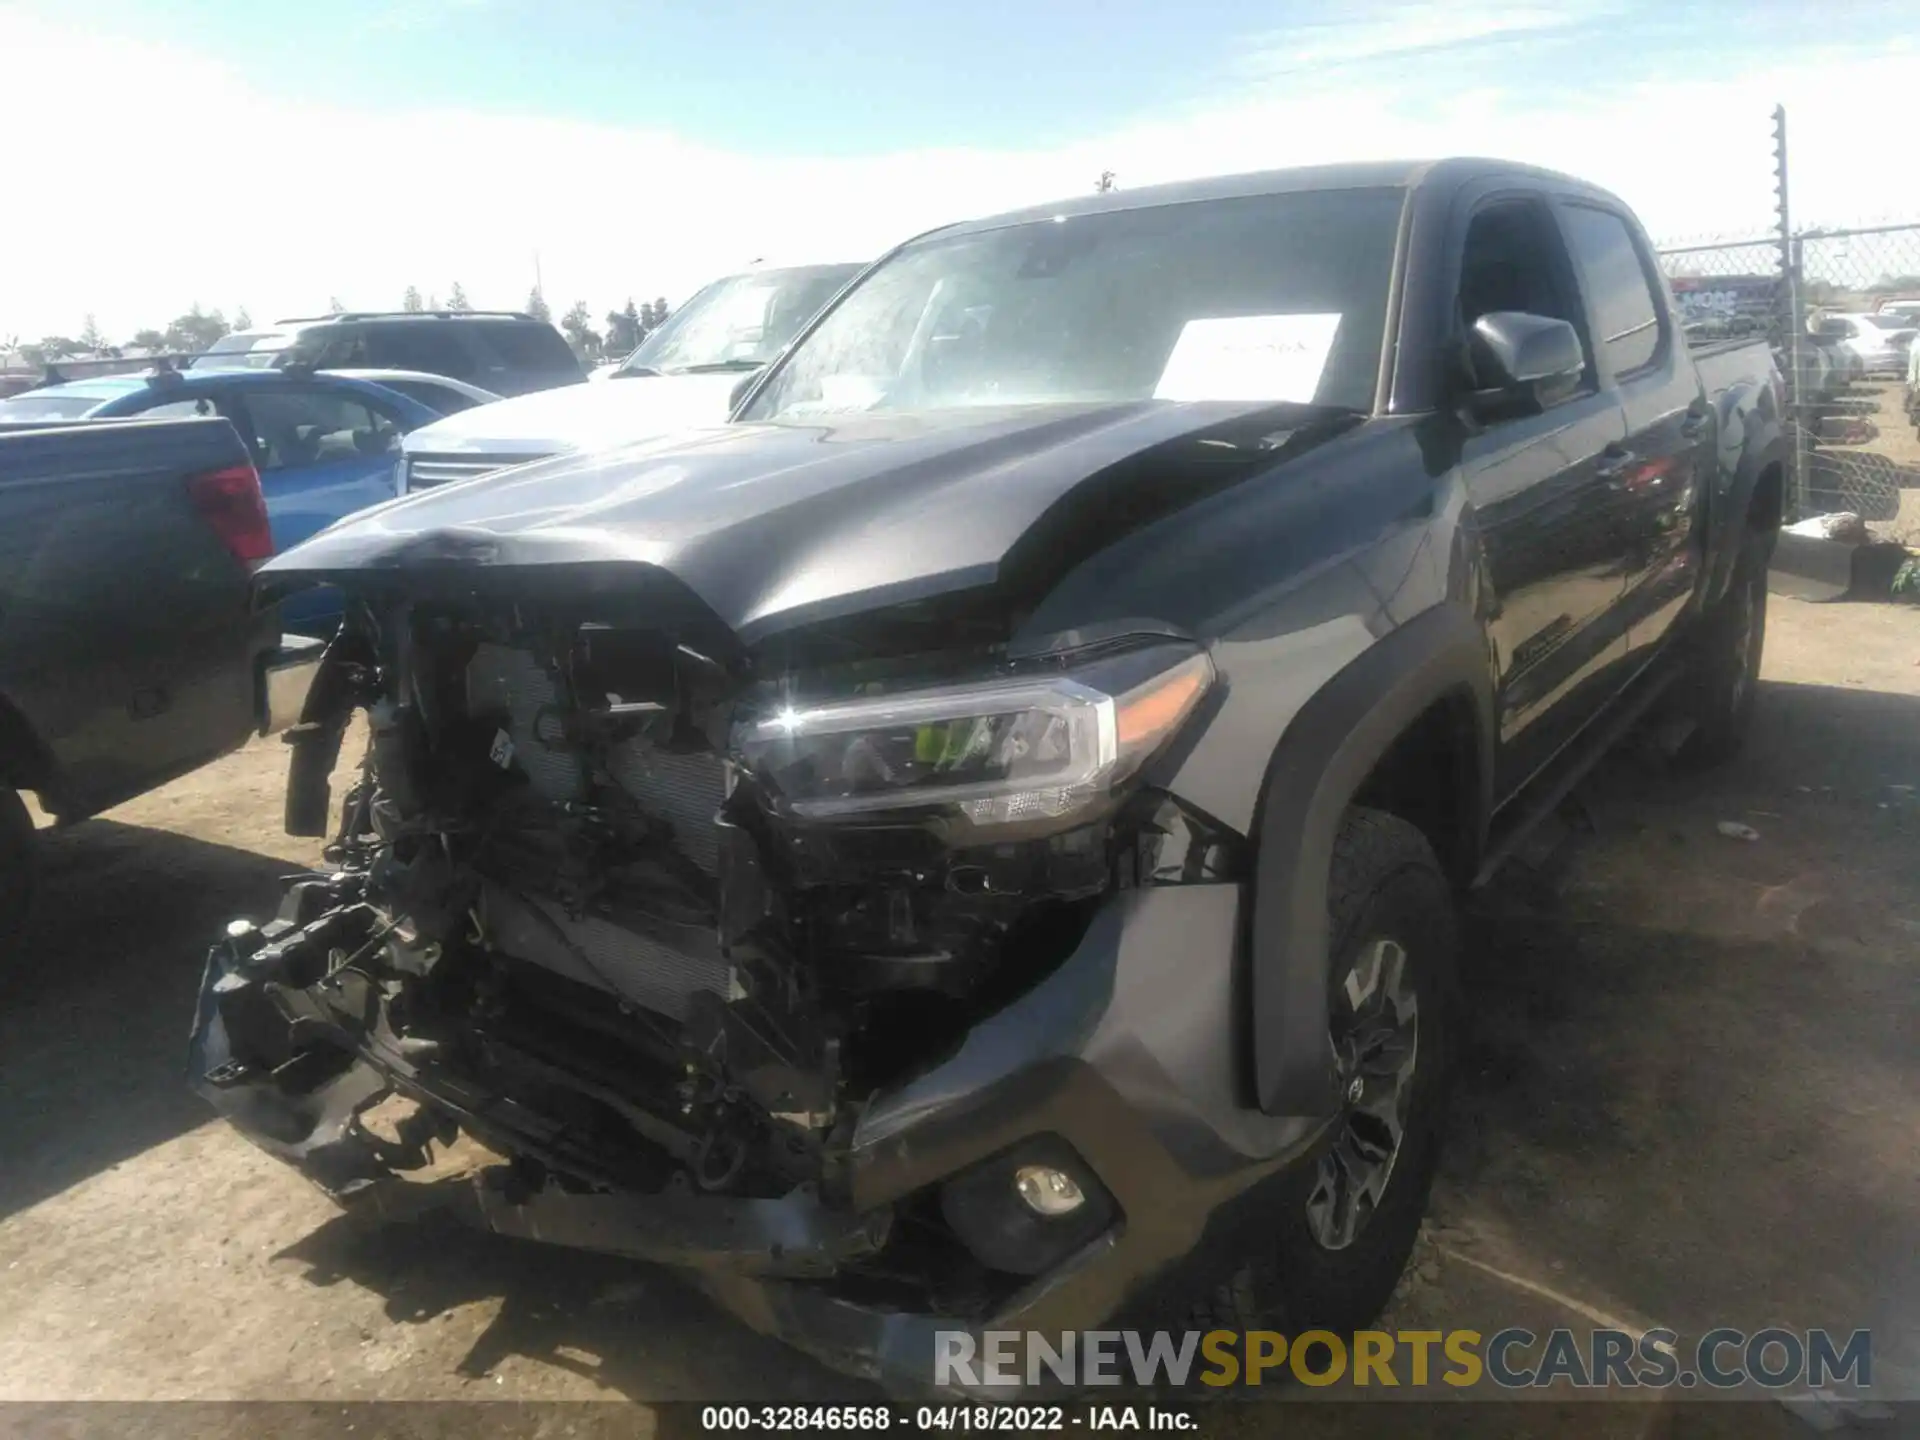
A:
<point x="974" y="843"/>
<point x="130" y="648"/>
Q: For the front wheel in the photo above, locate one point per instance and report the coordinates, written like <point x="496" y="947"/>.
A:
<point x="18" y="870"/>
<point x="1343" y="1222"/>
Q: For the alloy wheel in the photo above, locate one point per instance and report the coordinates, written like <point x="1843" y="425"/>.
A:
<point x="1375" y="1030"/>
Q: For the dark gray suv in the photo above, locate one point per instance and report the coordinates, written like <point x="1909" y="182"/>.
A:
<point x="505" y="351"/>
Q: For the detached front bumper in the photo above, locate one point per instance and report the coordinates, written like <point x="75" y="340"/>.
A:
<point x="1121" y="1066"/>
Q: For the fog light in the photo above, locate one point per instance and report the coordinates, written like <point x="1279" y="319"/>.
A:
<point x="1025" y="1210"/>
<point x="1047" y="1191"/>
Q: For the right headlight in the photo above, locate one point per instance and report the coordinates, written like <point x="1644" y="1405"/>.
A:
<point x="999" y="751"/>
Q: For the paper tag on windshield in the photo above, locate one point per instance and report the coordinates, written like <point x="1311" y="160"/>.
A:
<point x="839" y="395"/>
<point x="1249" y="357"/>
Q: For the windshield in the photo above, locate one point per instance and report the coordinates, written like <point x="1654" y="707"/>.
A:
<point x="738" y="323"/>
<point x="1889" y="320"/>
<point x="247" y="350"/>
<point x="1270" y="297"/>
<point x="47" y="407"/>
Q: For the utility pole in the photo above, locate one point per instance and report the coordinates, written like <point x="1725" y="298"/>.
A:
<point x="1793" y="301"/>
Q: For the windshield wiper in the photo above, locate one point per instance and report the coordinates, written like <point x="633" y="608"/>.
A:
<point x="721" y="367"/>
<point x="637" y="371"/>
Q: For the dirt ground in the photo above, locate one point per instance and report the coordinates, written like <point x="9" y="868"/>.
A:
<point x="1692" y="1098"/>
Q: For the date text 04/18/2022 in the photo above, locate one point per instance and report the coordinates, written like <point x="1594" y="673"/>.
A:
<point x="935" y="1419"/>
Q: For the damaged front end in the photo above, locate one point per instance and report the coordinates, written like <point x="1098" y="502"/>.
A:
<point x="778" y="974"/>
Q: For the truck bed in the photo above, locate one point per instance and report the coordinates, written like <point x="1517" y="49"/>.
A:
<point x="130" y="647"/>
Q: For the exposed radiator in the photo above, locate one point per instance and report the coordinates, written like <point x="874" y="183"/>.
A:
<point x="597" y="952"/>
<point x="505" y="681"/>
<point x="683" y="790"/>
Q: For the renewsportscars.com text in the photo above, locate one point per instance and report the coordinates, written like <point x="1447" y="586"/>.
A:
<point x="1509" y="1359"/>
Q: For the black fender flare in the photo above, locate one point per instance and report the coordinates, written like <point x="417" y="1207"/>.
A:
<point x="1323" y="757"/>
<point x="314" y="743"/>
<point x="1733" y="506"/>
<point x="26" y="763"/>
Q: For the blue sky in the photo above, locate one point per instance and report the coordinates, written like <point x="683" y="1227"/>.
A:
<point x="642" y="146"/>
<point x="776" y="78"/>
<point x="858" y="76"/>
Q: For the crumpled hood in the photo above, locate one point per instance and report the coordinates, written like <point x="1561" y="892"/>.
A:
<point x="774" y="525"/>
<point x="579" y="417"/>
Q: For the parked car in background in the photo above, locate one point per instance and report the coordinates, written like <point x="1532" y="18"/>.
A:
<point x="131" y="651"/>
<point x="325" y="445"/>
<point x="1913" y="384"/>
<point x="1823" y="371"/>
<point x="440" y="393"/>
<point x="680" y="377"/>
<point x="1903" y="310"/>
<point x="1877" y="342"/>
<point x="505" y="351"/>
<point x="976" y="842"/>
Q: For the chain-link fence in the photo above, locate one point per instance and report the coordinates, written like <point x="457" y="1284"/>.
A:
<point x="1729" y="289"/>
<point x="1840" y="309"/>
<point x="1859" y="303"/>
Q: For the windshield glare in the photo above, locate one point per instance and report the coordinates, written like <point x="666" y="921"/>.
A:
<point x="740" y="322"/>
<point x="1266" y="298"/>
<point x="47" y="407"/>
<point x="242" y="352"/>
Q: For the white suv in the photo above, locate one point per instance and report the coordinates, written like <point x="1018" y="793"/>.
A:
<point x="681" y="377"/>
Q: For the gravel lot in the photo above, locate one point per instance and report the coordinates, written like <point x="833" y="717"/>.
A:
<point x="1692" y="1099"/>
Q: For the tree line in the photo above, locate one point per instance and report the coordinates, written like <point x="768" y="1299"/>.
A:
<point x="625" y="328"/>
<point x="189" y="333"/>
<point x="197" y="329"/>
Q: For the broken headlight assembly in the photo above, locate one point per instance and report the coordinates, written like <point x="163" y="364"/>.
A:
<point x="1005" y="750"/>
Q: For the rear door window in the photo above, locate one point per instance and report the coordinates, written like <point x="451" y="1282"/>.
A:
<point x="298" y="426"/>
<point x="524" y="345"/>
<point x="199" y="407"/>
<point x="1626" y="311"/>
<point x="429" y="345"/>
<point x="340" y="348"/>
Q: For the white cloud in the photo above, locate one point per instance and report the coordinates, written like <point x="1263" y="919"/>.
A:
<point x="1396" y="32"/>
<point x="132" y="206"/>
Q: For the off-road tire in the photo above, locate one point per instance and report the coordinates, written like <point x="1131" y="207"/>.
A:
<point x="1385" y="884"/>
<point x="18" y="872"/>
<point x="1726" y="665"/>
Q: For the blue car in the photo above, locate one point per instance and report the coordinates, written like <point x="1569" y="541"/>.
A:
<point x="325" y="446"/>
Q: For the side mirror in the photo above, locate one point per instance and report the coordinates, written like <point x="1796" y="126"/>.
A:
<point x="739" y="391"/>
<point x="1522" y="363"/>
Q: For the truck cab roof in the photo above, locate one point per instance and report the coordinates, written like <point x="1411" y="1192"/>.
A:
<point x="1381" y="174"/>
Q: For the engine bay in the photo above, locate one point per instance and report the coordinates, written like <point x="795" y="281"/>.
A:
<point x="564" y="918"/>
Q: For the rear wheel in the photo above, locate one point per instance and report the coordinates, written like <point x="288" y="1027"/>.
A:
<point x="1726" y="674"/>
<point x="18" y="870"/>
<point x="1344" y="1221"/>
